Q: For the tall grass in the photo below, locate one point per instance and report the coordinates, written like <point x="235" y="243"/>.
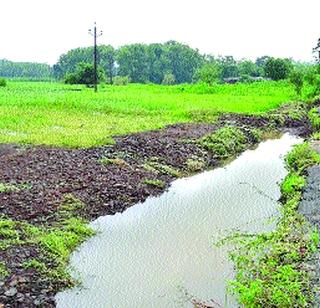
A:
<point x="74" y="116"/>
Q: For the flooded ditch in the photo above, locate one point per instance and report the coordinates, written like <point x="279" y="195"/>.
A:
<point x="160" y="253"/>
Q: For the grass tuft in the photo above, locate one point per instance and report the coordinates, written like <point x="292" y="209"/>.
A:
<point x="155" y="183"/>
<point x="225" y="142"/>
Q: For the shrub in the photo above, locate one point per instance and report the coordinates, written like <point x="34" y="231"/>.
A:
<point x="169" y="79"/>
<point x="3" y="82"/>
<point x="121" y="80"/>
<point x="296" y="78"/>
<point x="209" y="73"/>
<point x="314" y="117"/>
<point x="84" y="74"/>
<point x="291" y="184"/>
<point x="301" y="157"/>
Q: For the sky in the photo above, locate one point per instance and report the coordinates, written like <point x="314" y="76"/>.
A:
<point x="42" y="30"/>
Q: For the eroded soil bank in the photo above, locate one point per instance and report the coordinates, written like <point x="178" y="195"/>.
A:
<point x="106" y="180"/>
<point x="309" y="207"/>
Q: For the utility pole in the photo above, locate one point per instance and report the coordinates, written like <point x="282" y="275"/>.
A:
<point x="95" y="54"/>
<point x="317" y="49"/>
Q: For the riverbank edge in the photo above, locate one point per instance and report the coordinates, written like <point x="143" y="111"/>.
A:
<point x="38" y="271"/>
<point x="281" y="268"/>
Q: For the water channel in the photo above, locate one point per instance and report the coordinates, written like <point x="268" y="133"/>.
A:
<point x="160" y="253"/>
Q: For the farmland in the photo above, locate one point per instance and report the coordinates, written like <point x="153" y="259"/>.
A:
<point x="70" y="175"/>
<point x="74" y="116"/>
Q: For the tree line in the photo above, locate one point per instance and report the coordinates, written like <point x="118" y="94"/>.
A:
<point x="27" y="70"/>
<point x="168" y="63"/>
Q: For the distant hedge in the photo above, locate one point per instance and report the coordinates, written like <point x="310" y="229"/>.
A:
<point x="3" y="82"/>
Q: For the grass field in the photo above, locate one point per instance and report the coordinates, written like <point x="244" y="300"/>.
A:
<point x="75" y="116"/>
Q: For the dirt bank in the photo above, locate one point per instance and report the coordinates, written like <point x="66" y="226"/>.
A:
<point x="106" y="180"/>
<point x="309" y="206"/>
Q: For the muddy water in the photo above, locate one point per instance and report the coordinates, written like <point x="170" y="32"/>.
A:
<point x="159" y="253"/>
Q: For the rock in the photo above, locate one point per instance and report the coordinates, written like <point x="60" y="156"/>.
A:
<point x="11" y="292"/>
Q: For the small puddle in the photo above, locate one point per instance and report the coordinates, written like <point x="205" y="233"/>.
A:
<point x="155" y="252"/>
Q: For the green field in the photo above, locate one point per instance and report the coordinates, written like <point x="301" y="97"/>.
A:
<point x="75" y="116"/>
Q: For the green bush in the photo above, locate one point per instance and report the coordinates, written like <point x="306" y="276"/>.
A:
<point x="121" y="80"/>
<point x="291" y="184"/>
<point x="296" y="78"/>
<point x="209" y="73"/>
<point x="168" y="79"/>
<point x="84" y="74"/>
<point x="3" y="82"/>
<point x="313" y="78"/>
<point x="301" y="157"/>
<point x="314" y="117"/>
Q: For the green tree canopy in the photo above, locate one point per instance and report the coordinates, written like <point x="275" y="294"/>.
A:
<point x="27" y="70"/>
<point x="68" y="62"/>
<point x="278" y="69"/>
<point x="84" y="74"/>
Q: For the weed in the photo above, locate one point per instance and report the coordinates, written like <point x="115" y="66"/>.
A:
<point x="195" y="164"/>
<point x="269" y="271"/>
<point x="156" y="167"/>
<point x="35" y="264"/>
<point x="56" y="242"/>
<point x="69" y="206"/>
<point x="314" y="117"/>
<point x="113" y="161"/>
<point x="291" y="184"/>
<point x="6" y="188"/>
<point x="156" y="183"/>
<point x="316" y="136"/>
<point x="301" y="157"/>
<point x="225" y="142"/>
<point x="256" y="134"/>
<point x="3" y="270"/>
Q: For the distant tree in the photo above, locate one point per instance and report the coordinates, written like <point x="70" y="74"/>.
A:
<point x="260" y="63"/>
<point x="168" y="79"/>
<point x="229" y="67"/>
<point x="84" y="74"/>
<point x="312" y="77"/>
<point x="68" y="62"/>
<point x="182" y="61"/>
<point x="26" y="70"/>
<point x="133" y="62"/>
<point x="248" y="68"/>
<point x="107" y="58"/>
<point x="296" y="78"/>
<point x="278" y="69"/>
<point x="209" y="73"/>
<point x="158" y="63"/>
